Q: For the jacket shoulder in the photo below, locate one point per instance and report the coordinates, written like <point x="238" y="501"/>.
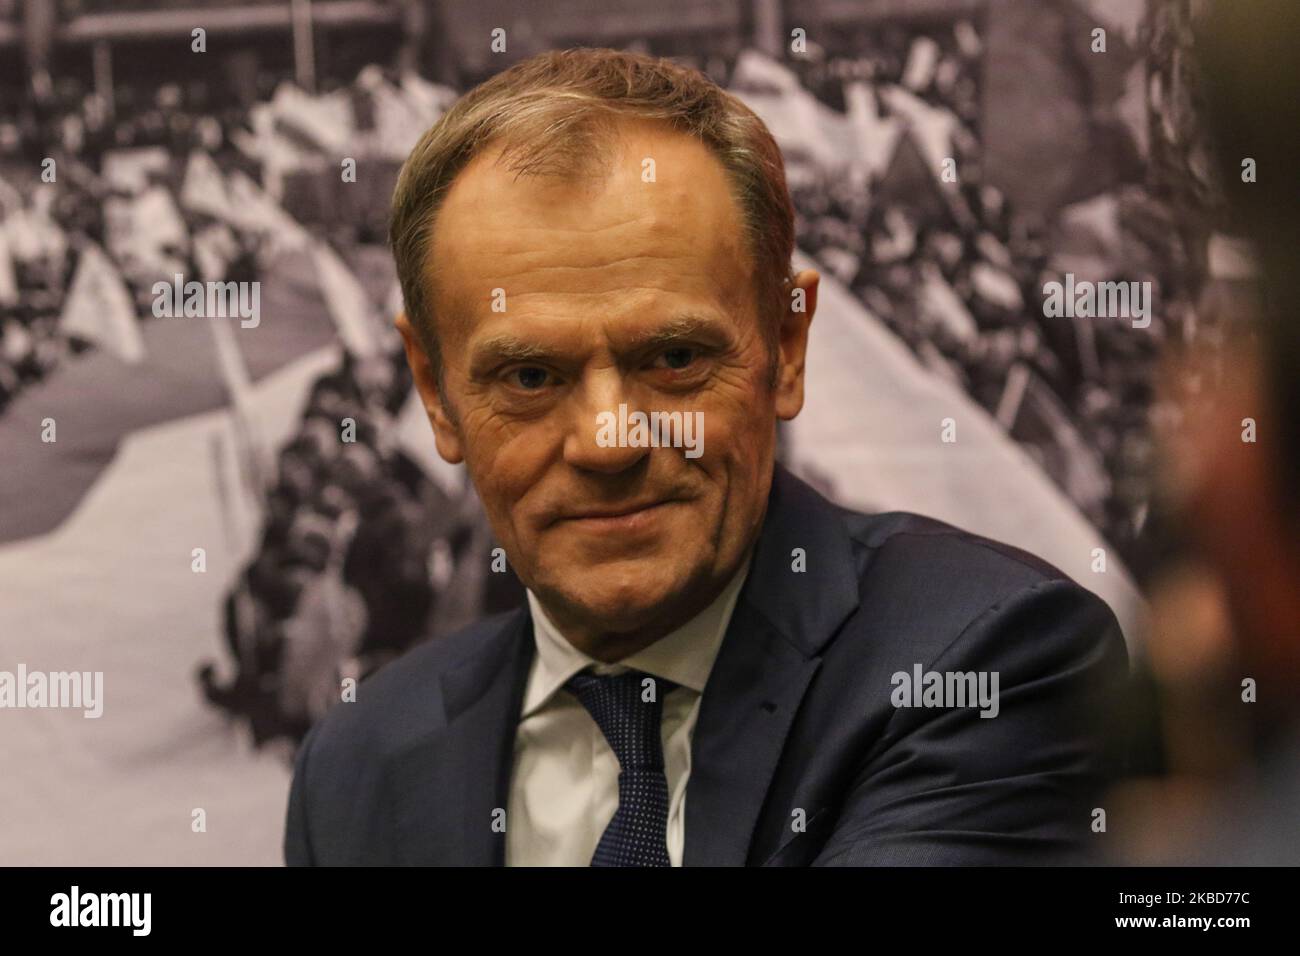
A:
<point x="911" y="543"/>
<point x="921" y="574"/>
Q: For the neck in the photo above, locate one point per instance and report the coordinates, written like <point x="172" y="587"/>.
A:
<point x="608" y="646"/>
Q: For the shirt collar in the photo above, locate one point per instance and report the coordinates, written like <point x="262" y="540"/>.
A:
<point x="684" y="656"/>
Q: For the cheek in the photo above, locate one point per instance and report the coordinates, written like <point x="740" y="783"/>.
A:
<point x="738" y="446"/>
<point x="506" y="463"/>
<point x="739" y="417"/>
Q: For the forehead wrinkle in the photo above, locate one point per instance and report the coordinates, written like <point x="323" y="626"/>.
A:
<point x="523" y="260"/>
<point x="532" y="269"/>
<point x="525" y="232"/>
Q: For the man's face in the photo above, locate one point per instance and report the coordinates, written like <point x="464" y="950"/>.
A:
<point x="607" y="291"/>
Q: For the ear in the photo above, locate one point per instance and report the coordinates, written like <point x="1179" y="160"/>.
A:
<point x="793" y="343"/>
<point x="446" y="433"/>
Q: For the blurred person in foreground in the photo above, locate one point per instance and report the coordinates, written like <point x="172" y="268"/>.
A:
<point x="713" y="664"/>
<point x="1228" y="652"/>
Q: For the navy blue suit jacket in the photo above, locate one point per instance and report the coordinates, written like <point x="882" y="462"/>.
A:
<point x="798" y="756"/>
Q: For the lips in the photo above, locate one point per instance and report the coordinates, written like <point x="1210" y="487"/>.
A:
<point x="619" y="511"/>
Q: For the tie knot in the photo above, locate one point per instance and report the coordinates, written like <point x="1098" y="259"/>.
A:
<point x="628" y="709"/>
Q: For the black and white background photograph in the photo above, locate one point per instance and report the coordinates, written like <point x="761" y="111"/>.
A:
<point x="233" y="521"/>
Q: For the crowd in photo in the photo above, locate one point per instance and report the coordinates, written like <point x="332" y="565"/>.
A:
<point x="361" y="553"/>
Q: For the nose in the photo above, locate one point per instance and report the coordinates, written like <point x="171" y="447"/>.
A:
<point x="593" y="442"/>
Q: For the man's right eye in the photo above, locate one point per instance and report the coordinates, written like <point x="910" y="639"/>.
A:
<point x="528" y="377"/>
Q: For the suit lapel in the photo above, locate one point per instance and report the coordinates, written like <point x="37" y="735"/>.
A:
<point x="446" y="786"/>
<point x="770" y="653"/>
<point x="751" y="697"/>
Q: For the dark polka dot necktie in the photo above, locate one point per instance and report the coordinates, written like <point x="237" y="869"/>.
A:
<point x="637" y="834"/>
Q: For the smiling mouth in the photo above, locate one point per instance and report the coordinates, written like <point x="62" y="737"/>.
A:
<point x="625" y="518"/>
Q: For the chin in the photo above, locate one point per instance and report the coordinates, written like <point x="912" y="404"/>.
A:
<point x="623" y="595"/>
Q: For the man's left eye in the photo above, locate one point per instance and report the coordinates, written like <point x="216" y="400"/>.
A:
<point x="678" y="358"/>
<point x="530" y="377"/>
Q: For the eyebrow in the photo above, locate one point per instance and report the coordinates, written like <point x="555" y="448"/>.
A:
<point x="683" y="326"/>
<point x="508" y="347"/>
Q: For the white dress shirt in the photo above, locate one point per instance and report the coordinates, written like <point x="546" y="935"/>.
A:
<point x="564" y="787"/>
